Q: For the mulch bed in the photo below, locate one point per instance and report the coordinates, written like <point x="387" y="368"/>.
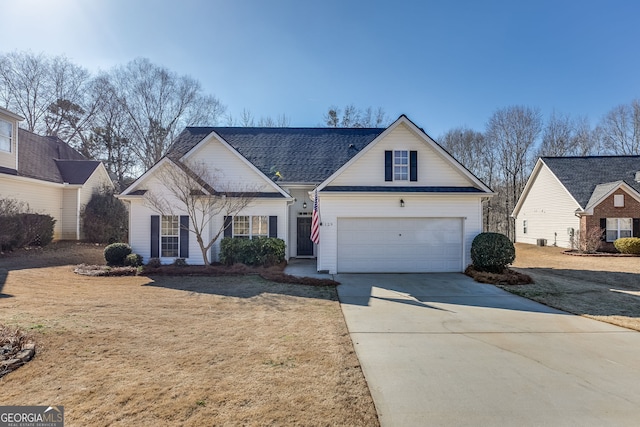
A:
<point x="598" y="254"/>
<point x="273" y="274"/>
<point x="507" y="277"/>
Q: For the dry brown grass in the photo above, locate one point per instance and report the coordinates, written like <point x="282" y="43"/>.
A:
<point x="179" y="350"/>
<point x="603" y="288"/>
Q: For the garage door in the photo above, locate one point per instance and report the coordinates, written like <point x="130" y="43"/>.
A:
<point x="393" y="245"/>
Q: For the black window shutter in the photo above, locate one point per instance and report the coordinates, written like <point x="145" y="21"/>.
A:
<point x="413" y="165"/>
<point x="184" y="236"/>
<point x="636" y="227"/>
<point x="228" y="226"/>
<point x="155" y="236"/>
<point x="603" y="227"/>
<point x="273" y="226"/>
<point x="388" y="165"/>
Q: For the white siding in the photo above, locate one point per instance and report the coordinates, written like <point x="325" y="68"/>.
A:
<point x="40" y="196"/>
<point x="335" y="206"/>
<point x="433" y="170"/>
<point x="140" y="227"/>
<point x="549" y="211"/>
<point x="69" y="215"/>
<point x="231" y="170"/>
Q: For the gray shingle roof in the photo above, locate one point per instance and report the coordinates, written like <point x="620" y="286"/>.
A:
<point x="48" y="158"/>
<point x="298" y="154"/>
<point x="581" y="175"/>
<point x="76" y="171"/>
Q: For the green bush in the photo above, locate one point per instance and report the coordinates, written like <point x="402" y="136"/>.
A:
<point x="492" y="252"/>
<point x="104" y="218"/>
<point x="133" y="260"/>
<point x="628" y="245"/>
<point x="116" y="253"/>
<point x="263" y="251"/>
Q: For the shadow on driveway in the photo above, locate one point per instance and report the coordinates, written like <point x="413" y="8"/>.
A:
<point x="439" y="291"/>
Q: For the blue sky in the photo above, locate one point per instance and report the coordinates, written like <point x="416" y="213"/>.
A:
<point x="443" y="63"/>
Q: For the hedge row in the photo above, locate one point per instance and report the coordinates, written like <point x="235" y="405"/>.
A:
<point x="264" y="251"/>
<point x="25" y="229"/>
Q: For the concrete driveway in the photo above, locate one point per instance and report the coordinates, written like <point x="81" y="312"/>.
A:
<point x="443" y="350"/>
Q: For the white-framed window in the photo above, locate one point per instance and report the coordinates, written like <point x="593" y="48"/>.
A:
<point x="248" y="227"/>
<point x="618" y="200"/>
<point x="6" y="135"/>
<point x="524" y="226"/>
<point x="618" y="228"/>
<point x="401" y="165"/>
<point x="169" y="236"/>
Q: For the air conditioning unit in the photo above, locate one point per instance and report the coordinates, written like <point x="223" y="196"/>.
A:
<point x="542" y="242"/>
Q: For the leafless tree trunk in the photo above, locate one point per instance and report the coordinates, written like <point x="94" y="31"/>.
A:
<point x="513" y="132"/>
<point x="564" y="136"/>
<point x="619" y="130"/>
<point x="203" y="194"/>
<point x="159" y="103"/>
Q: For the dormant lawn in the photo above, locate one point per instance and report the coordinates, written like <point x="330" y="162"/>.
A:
<point x="178" y="350"/>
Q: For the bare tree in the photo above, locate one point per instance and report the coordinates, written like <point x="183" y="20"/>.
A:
<point x="203" y="194"/>
<point x="564" y="136"/>
<point x="513" y="132"/>
<point x="619" y="129"/>
<point x="247" y="119"/>
<point x="52" y="94"/>
<point x="281" y="121"/>
<point x="158" y="104"/>
<point x="353" y="117"/>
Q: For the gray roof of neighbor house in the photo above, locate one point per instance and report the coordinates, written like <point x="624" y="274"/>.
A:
<point x="304" y="155"/>
<point x="581" y="176"/>
<point x="48" y="158"/>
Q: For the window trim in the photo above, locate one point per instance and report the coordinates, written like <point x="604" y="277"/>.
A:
<point x="8" y="138"/>
<point x="264" y="219"/>
<point x="164" y="236"/>
<point x="400" y="168"/>
<point x="617" y="229"/>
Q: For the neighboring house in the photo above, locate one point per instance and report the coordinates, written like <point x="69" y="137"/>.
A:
<point x="568" y="194"/>
<point x="390" y="200"/>
<point x="48" y="175"/>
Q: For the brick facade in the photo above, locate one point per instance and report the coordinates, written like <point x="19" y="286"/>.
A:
<point x="606" y="209"/>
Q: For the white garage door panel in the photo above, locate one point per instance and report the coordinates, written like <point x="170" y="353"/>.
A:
<point x="388" y="245"/>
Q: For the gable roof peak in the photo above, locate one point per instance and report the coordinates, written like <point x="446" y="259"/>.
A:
<point x="580" y="175"/>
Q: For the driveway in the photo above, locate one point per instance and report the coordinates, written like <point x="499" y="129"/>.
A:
<point x="443" y="350"/>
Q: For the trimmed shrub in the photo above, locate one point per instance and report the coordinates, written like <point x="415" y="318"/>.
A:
<point x="180" y="262"/>
<point x="116" y="253"/>
<point x="133" y="260"/>
<point x="104" y="218"/>
<point x="263" y="251"/>
<point x="154" y="263"/>
<point x="492" y="252"/>
<point x="25" y="229"/>
<point x="628" y="245"/>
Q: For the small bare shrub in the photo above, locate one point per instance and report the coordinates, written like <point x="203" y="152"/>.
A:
<point x="587" y="242"/>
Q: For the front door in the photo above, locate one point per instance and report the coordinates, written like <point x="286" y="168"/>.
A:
<point x="305" y="245"/>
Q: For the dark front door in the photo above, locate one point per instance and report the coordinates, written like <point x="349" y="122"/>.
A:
<point x="305" y="245"/>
